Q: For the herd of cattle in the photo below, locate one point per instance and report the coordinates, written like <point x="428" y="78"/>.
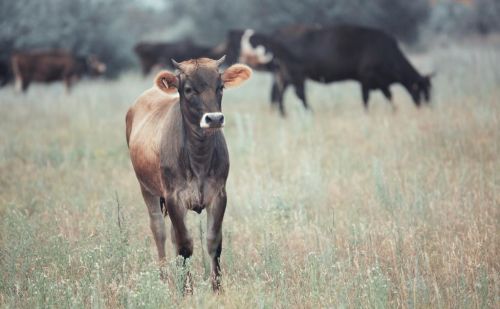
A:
<point x="292" y="55"/>
<point x="176" y="147"/>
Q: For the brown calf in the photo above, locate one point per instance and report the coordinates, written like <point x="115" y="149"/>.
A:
<point x="50" y="66"/>
<point x="179" y="154"/>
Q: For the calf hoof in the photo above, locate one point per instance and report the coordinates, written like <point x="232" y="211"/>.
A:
<point x="163" y="275"/>
<point x="185" y="249"/>
<point x="216" y="285"/>
<point x="188" y="285"/>
<point x="162" y="267"/>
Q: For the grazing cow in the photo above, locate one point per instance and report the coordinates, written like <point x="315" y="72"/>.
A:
<point x="330" y="54"/>
<point x="51" y="66"/>
<point x="179" y="154"/>
<point x="159" y="54"/>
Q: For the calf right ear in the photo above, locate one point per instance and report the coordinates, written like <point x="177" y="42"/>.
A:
<point x="167" y="82"/>
<point x="236" y="75"/>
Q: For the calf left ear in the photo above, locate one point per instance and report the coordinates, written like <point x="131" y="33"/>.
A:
<point x="236" y="75"/>
<point x="167" y="82"/>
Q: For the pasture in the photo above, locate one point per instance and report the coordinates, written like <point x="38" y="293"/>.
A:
<point x="338" y="208"/>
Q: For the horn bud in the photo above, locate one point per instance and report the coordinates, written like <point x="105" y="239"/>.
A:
<point x="221" y="60"/>
<point x="176" y="64"/>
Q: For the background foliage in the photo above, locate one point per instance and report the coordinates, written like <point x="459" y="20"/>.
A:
<point x="110" y="28"/>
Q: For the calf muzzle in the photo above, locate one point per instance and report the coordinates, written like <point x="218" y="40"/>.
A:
<point x="212" y="121"/>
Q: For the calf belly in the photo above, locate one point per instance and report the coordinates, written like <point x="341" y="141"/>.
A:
<point x="197" y="195"/>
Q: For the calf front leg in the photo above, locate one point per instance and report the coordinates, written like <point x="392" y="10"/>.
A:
<point x="215" y="215"/>
<point x="180" y="237"/>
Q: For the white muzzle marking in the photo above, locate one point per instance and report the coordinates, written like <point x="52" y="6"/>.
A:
<point x="212" y="120"/>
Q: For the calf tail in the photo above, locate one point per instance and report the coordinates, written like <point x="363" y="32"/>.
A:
<point x="128" y="124"/>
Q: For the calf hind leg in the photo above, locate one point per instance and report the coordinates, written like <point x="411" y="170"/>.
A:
<point x="156" y="221"/>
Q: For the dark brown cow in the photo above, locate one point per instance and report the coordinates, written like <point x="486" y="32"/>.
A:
<point x="179" y="154"/>
<point x="51" y="66"/>
<point x="153" y="54"/>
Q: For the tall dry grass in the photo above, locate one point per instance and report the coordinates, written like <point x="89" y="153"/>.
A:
<point x="338" y="208"/>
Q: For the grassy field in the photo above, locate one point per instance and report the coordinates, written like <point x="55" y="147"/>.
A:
<point x="338" y="208"/>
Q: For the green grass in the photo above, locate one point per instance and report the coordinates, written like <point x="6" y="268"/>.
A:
<point x="339" y="208"/>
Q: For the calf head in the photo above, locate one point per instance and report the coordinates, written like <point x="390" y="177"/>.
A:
<point x="200" y="84"/>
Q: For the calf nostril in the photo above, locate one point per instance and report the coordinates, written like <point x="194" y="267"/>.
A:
<point x="208" y="119"/>
<point x="222" y="119"/>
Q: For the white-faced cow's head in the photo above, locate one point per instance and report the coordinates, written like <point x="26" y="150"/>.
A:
<point x="200" y="84"/>
<point x="255" y="56"/>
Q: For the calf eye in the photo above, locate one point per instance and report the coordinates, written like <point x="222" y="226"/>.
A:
<point x="188" y="90"/>
<point x="221" y="88"/>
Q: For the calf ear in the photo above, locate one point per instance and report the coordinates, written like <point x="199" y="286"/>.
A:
<point x="236" y="75"/>
<point x="167" y="82"/>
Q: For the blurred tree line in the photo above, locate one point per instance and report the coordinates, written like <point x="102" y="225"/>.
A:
<point x="404" y="19"/>
<point x="110" y="28"/>
<point x="211" y="18"/>
<point x="458" y="18"/>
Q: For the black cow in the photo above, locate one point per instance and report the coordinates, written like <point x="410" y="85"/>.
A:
<point x="330" y="54"/>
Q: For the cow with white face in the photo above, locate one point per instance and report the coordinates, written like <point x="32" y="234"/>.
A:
<point x="255" y="56"/>
<point x="257" y="51"/>
<point x="179" y="153"/>
<point x="261" y="53"/>
<point x="330" y="54"/>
